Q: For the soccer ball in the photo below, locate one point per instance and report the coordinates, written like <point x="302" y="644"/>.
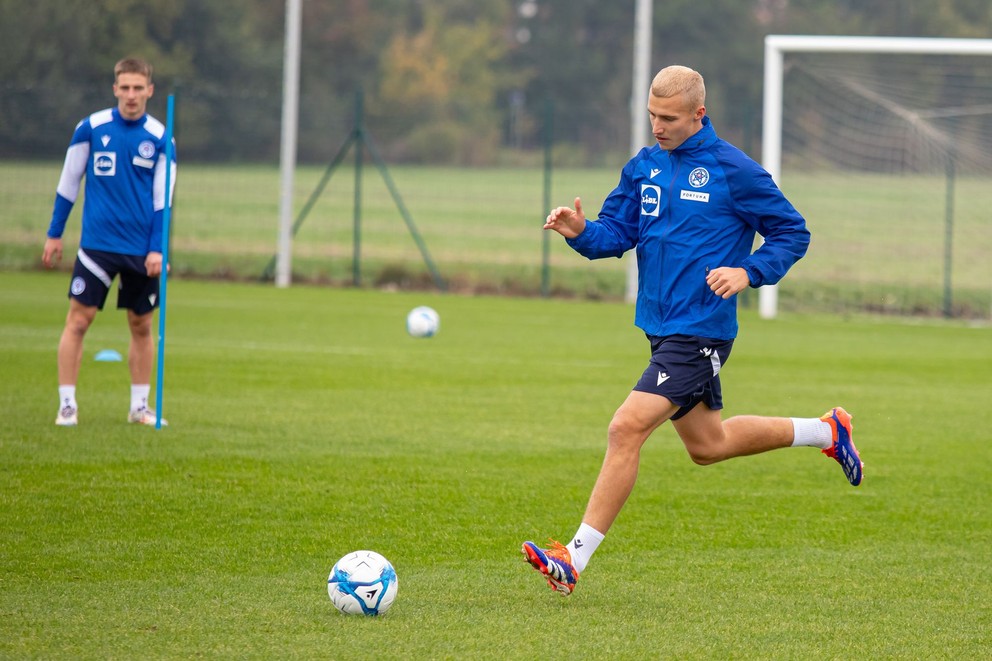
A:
<point x="362" y="583"/>
<point x="423" y="322"/>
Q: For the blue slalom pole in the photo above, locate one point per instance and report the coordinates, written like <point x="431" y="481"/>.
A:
<point x="164" y="277"/>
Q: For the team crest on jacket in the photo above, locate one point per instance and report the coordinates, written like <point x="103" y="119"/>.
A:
<point x="699" y="177"/>
<point x="146" y="149"/>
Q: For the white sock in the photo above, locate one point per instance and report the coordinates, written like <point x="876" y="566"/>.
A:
<point x="67" y="396"/>
<point x="583" y="545"/>
<point x="812" y="432"/>
<point x="139" y="396"/>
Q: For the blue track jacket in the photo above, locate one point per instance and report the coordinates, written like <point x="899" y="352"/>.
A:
<point x="687" y="211"/>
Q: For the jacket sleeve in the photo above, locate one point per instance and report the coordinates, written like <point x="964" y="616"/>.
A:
<point x="76" y="158"/>
<point x="763" y="206"/>
<point x="615" y="231"/>
<point x="161" y="198"/>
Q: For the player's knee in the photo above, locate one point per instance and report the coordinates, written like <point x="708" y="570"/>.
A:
<point x="78" y="324"/>
<point x="141" y="325"/>
<point x="624" y="433"/>
<point x="703" y="456"/>
<point x="704" y="452"/>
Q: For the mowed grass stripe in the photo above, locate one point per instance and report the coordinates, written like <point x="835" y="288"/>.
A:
<point x="214" y="536"/>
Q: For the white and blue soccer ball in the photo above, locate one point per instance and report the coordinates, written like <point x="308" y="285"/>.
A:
<point x="423" y="321"/>
<point x="362" y="583"/>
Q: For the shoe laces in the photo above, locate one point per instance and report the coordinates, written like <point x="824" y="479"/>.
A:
<point x="558" y="551"/>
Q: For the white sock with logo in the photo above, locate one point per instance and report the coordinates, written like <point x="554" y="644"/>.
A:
<point x="67" y="397"/>
<point x="812" y="432"/>
<point x="583" y="545"/>
<point x="139" y="396"/>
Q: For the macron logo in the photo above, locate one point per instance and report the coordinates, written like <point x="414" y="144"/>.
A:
<point x="662" y="377"/>
<point x="654" y="173"/>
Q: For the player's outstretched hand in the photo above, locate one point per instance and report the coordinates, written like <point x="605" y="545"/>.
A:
<point x="566" y="221"/>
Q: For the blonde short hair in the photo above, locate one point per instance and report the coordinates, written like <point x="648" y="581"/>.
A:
<point x="677" y="79"/>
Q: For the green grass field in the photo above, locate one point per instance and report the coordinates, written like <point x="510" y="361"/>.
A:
<point x="305" y="423"/>
<point x="879" y="242"/>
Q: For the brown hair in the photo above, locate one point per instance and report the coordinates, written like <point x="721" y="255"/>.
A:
<point x="133" y="65"/>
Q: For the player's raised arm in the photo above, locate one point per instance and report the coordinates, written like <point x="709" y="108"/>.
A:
<point x="567" y="221"/>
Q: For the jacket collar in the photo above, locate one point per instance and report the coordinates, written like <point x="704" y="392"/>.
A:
<point x="701" y="138"/>
<point x="130" y="122"/>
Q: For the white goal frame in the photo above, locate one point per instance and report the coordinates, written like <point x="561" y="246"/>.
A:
<point x="775" y="48"/>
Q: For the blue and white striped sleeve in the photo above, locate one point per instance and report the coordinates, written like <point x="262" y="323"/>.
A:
<point x="76" y="158"/>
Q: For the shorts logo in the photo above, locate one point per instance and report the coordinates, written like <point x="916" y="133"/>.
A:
<point x="714" y="357"/>
<point x="650" y="200"/>
<point x="104" y="163"/>
<point x="699" y="178"/>
<point x="146" y="149"/>
<point x="78" y="286"/>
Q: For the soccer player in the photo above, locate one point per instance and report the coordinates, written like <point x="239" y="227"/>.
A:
<point x="121" y="151"/>
<point x="690" y="206"/>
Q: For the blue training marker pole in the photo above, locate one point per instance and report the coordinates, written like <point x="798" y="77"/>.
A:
<point x="164" y="277"/>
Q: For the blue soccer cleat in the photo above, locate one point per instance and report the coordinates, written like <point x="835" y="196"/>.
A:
<point x="555" y="564"/>
<point x="843" y="449"/>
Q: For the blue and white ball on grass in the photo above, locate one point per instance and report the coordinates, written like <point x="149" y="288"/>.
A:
<point x="423" y="321"/>
<point x="362" y="583"/>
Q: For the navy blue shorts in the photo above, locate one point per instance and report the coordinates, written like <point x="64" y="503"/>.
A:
<point x="95" y="270"/>
<point x="686" y="370"/>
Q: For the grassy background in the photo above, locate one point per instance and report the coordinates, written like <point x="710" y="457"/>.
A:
<point x="879" y="242"/>
<point x="306" y="424"/>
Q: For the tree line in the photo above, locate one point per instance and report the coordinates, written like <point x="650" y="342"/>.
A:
<point x="468" y="82"/>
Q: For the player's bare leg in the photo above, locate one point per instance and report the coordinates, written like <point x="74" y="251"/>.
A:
<point x="639" y="415"/>
<point x="632" y="424"/>
<point x="709" y="439"/>
<point x="141" y="352"/>
<point x="140" y="359"/>
<point x="70" y="357"/>
<point x="70" y="354"/>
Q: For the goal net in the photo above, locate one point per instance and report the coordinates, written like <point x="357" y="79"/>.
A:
<point x="885" y="146"/>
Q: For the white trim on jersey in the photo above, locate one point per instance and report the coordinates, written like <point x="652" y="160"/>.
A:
<point x="76" y="160"/>
<point x="154" y="127"/>
<point x="158" y="188"/>
<point x="101" y="117"/>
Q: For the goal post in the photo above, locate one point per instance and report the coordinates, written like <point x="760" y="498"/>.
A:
<point x="777" y="46"/>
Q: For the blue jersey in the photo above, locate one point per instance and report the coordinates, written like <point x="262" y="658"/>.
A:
<point x="695" y="208"/>
<point x="124" y="164"/>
